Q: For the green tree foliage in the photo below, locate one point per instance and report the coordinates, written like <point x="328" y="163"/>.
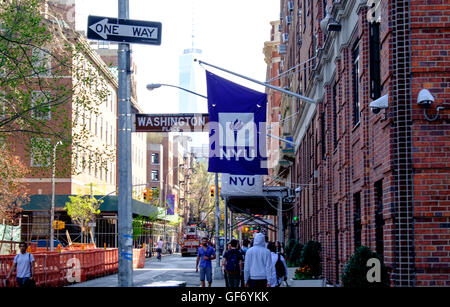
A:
<point x="48" y="88"/>
<point x="83" y="210"/>
<point x="13" y="193"/>
<point x="356" y="269"/>
<point x="202" y="206"/>
<point x="310" y="256"/>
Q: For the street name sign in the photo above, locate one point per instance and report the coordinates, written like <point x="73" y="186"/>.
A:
<point x="124" y="30"/>
<point x="189" y="122"/>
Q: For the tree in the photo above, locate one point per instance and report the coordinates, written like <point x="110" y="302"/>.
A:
<point x="48" y="88"/>
<point x="13" y="193"/>
<point x="202" y="206"/>
<point x="83" y="210"/>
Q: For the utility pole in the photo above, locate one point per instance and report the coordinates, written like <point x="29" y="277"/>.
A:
<point x="218" y="272"/>
<point x="125" y="276"/>
<point x="280" y="219"/>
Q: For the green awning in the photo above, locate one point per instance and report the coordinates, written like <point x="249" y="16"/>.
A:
<point x="43" y="203"/>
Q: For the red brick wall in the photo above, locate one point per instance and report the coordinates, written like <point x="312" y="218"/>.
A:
<point x="430" y="55"/>
<point x="414" y="170"/>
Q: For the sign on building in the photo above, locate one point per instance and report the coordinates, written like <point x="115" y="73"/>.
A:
<point x="241" y="185"/>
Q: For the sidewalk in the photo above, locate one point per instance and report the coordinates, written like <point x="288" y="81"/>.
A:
<point x="311" y="283"/>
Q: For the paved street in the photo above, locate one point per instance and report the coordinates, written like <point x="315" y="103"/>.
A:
<point x="171" y="268"/>
<point x="176" y="268"/>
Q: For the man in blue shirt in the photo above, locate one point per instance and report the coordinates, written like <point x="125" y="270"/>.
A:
<point x="204" y="256"/>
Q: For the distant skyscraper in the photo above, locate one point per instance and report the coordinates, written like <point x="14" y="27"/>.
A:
<point x="189" y="79"/>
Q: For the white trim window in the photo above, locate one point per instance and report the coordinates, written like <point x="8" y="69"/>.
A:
<point x="40" y="152"/>
<point x="42" y="62"/>
<point x="40" y="105"/>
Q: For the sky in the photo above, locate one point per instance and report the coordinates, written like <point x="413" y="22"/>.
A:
<point x="230" y="33"/>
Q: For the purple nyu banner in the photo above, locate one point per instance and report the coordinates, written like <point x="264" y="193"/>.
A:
<point x="170" y="204"/>
<point x="237" y="128"/>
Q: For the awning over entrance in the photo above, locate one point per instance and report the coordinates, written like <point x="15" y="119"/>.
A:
<point x="43" y="203"/>
<point x="266" y="204"/>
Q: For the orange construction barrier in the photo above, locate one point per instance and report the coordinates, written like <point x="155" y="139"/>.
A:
<point x="53" y="269"/>
<point x="138" y="258"/>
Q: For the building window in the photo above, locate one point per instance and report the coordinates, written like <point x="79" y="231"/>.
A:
<point x="355" y="77"/>
<point x="336" y="240"/>
<point x="323" y="136"/>
<point x="357" y="219"/>
<point x="155" y="175"/>
<point x="379" y="221"/>
<point x="155" y="158"/>
<point x="103" y="45"/>
<point x="41" y="62"/>
<point x="40" y="105"/>
<point x="40" y="152"/>
<point x="375" y="60"/>
<point x="335" y="107"/>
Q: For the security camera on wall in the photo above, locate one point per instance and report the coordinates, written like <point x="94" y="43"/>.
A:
<point x="379" y="104"/>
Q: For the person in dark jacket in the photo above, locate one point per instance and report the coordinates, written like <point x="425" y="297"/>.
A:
<point x="233" y="264"/>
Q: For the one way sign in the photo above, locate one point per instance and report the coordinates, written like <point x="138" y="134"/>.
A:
<point x="124" y="30"/>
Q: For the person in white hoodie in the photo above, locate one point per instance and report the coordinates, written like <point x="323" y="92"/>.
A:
<point x="258" y="264"/>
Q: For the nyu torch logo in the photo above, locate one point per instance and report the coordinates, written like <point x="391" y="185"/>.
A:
<point x="237" y="136"/>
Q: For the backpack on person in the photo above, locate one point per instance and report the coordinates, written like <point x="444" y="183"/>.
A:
<point x="232" y="265"/>
<point x="279" y="268"/>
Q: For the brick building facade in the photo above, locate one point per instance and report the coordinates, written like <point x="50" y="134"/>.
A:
<point x="379" y="180"/>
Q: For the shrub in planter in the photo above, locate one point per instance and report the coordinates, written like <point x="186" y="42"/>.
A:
<point x="310" y="256"/>
<point x="356" y="269"/>
<point x="288" y="249"/>
<point x="294" y="257"/>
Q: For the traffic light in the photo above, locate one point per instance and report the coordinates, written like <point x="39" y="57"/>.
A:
<point x="145" y="194"/>
<point x="212" y="190"/>
<point x="59" y="225"/>
<point x="150" y="194"/>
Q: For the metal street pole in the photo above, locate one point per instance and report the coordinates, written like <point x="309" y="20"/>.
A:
<point x="217" y="272"/>
<point x="280" y="219"/>
<point x="125" y="240"/>
<point x="52" y="211"/>
<point x="225" y="226"/>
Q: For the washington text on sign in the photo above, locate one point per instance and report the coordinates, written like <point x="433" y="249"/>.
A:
<point x="168" y="122"/>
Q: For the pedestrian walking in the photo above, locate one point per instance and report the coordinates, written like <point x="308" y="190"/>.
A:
<point x="241" y="250"/>
<point x="204" y="256"/>
<point x="279" y="248"/>
<point x="258" y="264"/>
<point x="228" y="247"/>
<point x="279" y="270"/>
<point x="24" y="264"/>
<point x="233" y="264"/>
<point x="245" y="244"/>
<point x="159" y="247"/>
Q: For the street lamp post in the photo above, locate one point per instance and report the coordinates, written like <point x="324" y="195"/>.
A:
<point x="217" y="272"/>
<point x="52" y="211"/>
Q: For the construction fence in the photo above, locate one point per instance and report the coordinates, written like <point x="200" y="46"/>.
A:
<point x="103" y="233"/>
<point x="57" y="269"/>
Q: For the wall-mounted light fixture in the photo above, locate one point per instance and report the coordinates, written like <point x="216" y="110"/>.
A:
<point x="425" y="99"/>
